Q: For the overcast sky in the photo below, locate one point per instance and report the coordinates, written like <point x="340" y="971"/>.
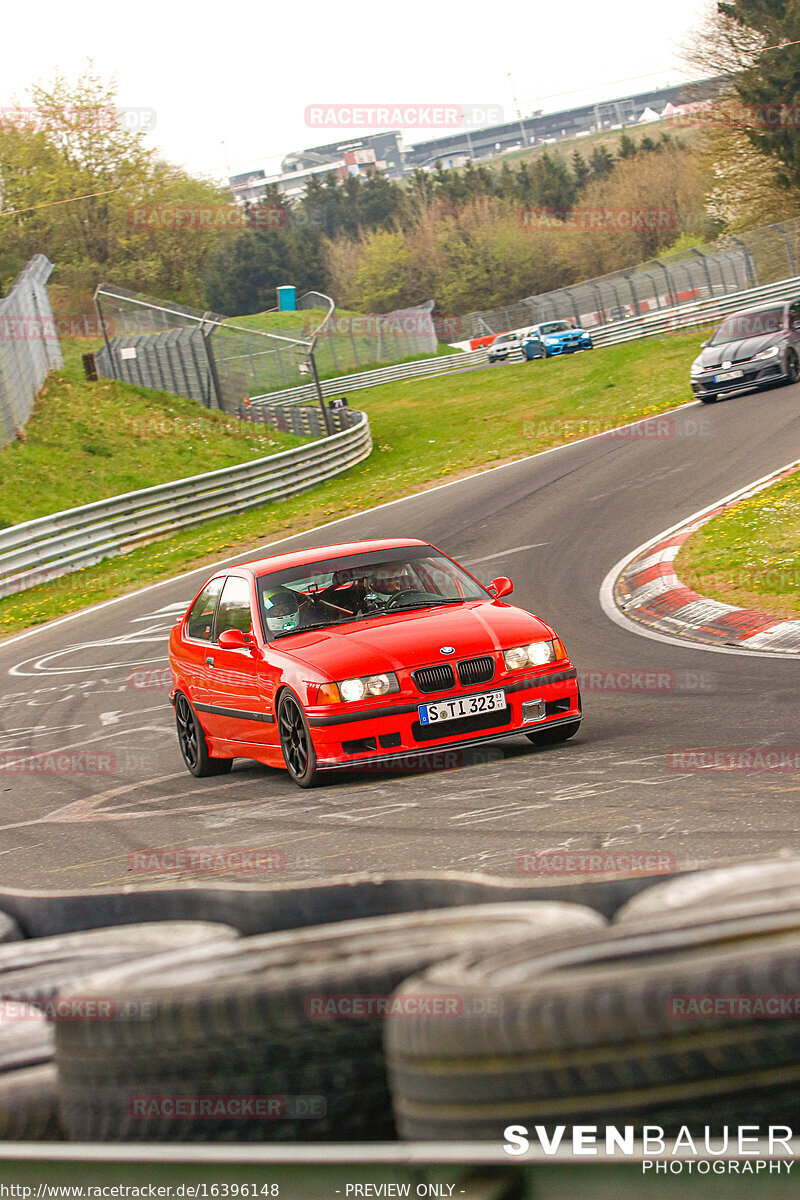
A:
<point x="243" y="72"/>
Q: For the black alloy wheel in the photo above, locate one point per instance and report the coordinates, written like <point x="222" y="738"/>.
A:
<point x="193" y="744"/>
<point x="296" y="744"/>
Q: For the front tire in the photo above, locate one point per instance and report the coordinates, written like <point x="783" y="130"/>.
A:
<point x="792" y="367"/>
<point x="193" y="744"/>
<point x="296" y="744"/>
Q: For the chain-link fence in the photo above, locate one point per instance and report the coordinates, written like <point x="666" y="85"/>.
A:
<point x="29" y="347"/>
<point x="221" y="361"/>
<point x="733" y="264"/>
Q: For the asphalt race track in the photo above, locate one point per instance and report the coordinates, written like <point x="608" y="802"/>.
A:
<point x="555" y="523"/>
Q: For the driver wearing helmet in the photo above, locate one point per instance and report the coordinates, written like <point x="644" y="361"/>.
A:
<point x="390" y="579"/>
<point x="282" y="610"/>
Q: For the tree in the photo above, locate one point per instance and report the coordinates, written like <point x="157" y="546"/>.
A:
<point x="85" y="190"/>
<point x="580" y="169"/>
<point x="601" y="162"/>
<point x="242" y="276"/>
<point x="552" y="185"/>
<point x="627" y="146"/>
<point x="381" y="274"/>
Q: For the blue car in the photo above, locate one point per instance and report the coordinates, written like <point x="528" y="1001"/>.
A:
<point x="555" y="337"/>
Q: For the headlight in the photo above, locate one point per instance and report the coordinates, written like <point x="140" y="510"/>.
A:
<point x="536" y="654"/>
<point x="369" y="685"/>
<point x="770" y="352"/>
<point x="697" y="368"/>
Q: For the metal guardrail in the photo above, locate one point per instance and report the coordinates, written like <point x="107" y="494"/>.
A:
<point x="43" y="549"/>
<point x="685" y="317"/>
<point x="423" y="368"/>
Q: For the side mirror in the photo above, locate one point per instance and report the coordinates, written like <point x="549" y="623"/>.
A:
<point x="234" y="639"/>
<point x="502" y="586"/>
<point x="703" y="345"/>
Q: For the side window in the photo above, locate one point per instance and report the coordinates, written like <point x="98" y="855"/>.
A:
<point x="234" y="605"/>
<point x="794" y="316"/>
<point x="201" y="618"/>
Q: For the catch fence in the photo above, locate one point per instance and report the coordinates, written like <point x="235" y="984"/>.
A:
<point x="223" y="361"/>
<point x="731" y="265"/>
<point x="29" y="347"/>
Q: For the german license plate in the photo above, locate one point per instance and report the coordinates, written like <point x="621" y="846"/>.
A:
<point x="723" y="375"/>
<point x="461" y="706"/>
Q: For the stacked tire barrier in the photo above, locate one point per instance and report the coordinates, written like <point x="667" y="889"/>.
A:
<point x="373" y="1008"/>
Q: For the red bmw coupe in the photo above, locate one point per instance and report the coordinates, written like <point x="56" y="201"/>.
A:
<point x="364" y="653"/>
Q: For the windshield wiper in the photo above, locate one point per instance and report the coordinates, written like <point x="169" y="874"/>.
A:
<point x="398" y="608"/>
<point x="308" y="628"/>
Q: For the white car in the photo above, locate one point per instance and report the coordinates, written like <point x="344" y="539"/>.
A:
<point x="505" y="344"/>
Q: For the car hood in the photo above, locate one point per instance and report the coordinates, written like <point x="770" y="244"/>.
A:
<point x="565" y="335"/>
<point x="745" y="348"/>
<point x="414" y="639"/>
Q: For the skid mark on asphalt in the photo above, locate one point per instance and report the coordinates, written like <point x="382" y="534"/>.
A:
<point x="155" y="628"/>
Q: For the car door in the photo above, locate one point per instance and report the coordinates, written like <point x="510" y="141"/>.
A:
<point x="794" y="324"/>
<point x="192" y="647"/>
<point x="234" y="707"/>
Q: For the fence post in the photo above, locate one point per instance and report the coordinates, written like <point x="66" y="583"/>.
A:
<point x="101" y="318"/>
<point x="212" y="363"/>
<point x="752" y="278"/>
<point x="702" y="256"/>
<point x="789" y="251"/>
<point x="325" y="414"/>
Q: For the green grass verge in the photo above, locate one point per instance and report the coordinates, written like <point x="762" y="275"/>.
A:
<point x="750" y="555"/>
<point x="87" y="441"/>
<point x="425" y="432"/>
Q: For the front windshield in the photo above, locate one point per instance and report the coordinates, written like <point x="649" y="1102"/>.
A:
<point x="357" y="587"/>
<point x="504" y="337"/>
<point x="556" y="327"/>
<point x="748" y="325"/>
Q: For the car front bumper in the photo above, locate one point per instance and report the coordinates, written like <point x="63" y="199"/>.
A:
<point x="390" y="731"/>
<point x="753" y="375"/>
<point x="570" y="347"/>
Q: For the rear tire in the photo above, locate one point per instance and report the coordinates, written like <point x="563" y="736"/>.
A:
<point x="193" y="744"/>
